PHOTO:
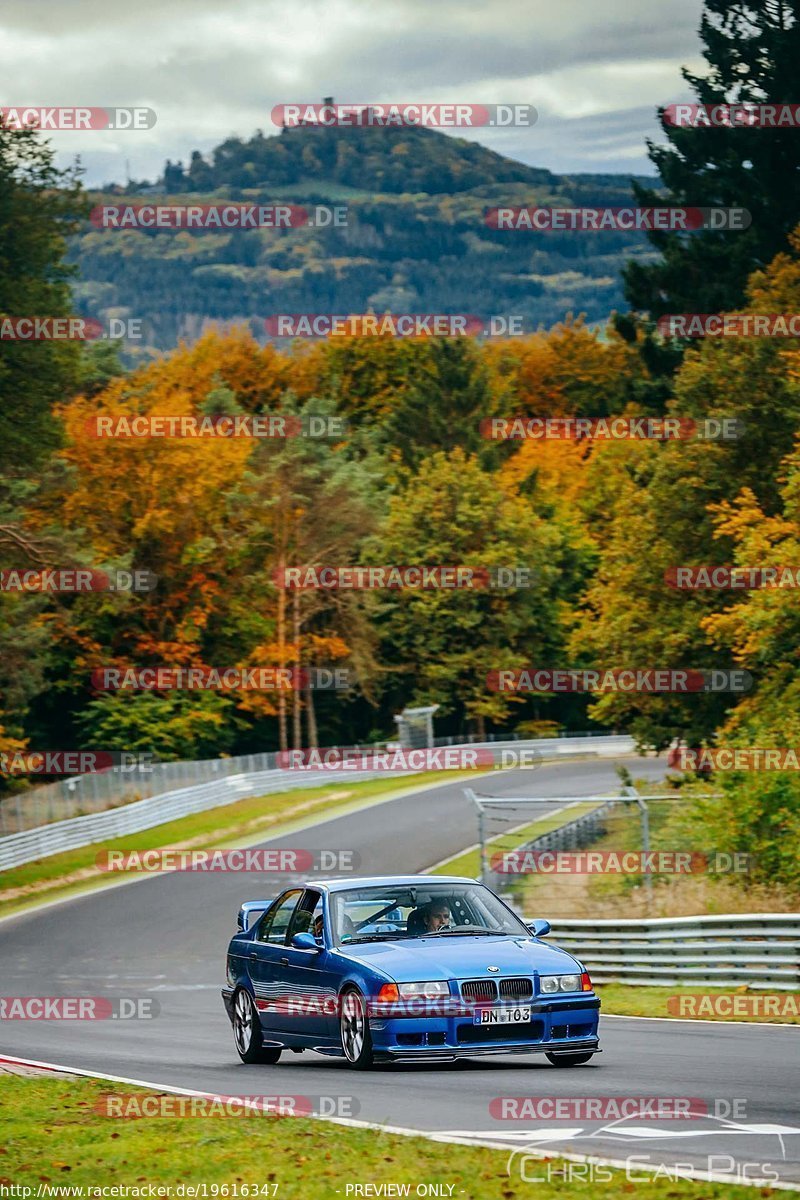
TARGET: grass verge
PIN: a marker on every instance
(469, 861)
(225, 827)
(623, 1000)
(56, 1139)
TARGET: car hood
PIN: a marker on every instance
(461, 957)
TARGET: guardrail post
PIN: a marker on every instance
(483, 872)
(632, 794)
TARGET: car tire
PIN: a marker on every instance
(354, 1030)
(247, 1031)
(569, 1060)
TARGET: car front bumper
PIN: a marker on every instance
(555, 1027)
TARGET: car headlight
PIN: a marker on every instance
(560, 983)
(434, 988)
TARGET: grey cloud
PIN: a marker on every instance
(210, 70)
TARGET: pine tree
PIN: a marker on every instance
(39, 206)
(753, 50)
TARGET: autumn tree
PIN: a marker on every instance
(304, 502)
(442, 643)
(663, 499)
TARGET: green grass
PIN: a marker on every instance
(469, 862)
(54, 1136)
(625, 1000)
(225, 827)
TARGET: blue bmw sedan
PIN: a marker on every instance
(419, 967)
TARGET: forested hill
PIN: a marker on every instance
(394, 160)
(415, 239)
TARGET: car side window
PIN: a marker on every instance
(275, 924)
(307, 910)
(317, 922)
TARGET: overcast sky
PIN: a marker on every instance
(595, 72)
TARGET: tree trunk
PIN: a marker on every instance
(313, 734)
(297, 731)
(282, 733)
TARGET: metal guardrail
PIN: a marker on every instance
(58, 836)
(760, 950)
(33, 844)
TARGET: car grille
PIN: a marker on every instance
(488, 989)
(479, 989)
(516, 989)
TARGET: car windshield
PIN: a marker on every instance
(387, 913)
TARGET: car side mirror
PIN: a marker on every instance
(305, 941)
(539, 928)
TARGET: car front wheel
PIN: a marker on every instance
(354, 1029)
(247, 1032)
(569, 1060)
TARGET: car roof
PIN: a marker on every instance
(341, 885)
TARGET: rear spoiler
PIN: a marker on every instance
(250, 911)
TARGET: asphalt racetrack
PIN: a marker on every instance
(165, 936)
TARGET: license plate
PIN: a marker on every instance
(503, 1016)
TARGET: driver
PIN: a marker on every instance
(436, 915)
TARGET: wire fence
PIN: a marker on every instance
(597, 854)
(82, 795)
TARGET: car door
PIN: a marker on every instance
(310, 980)
(266, 950)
